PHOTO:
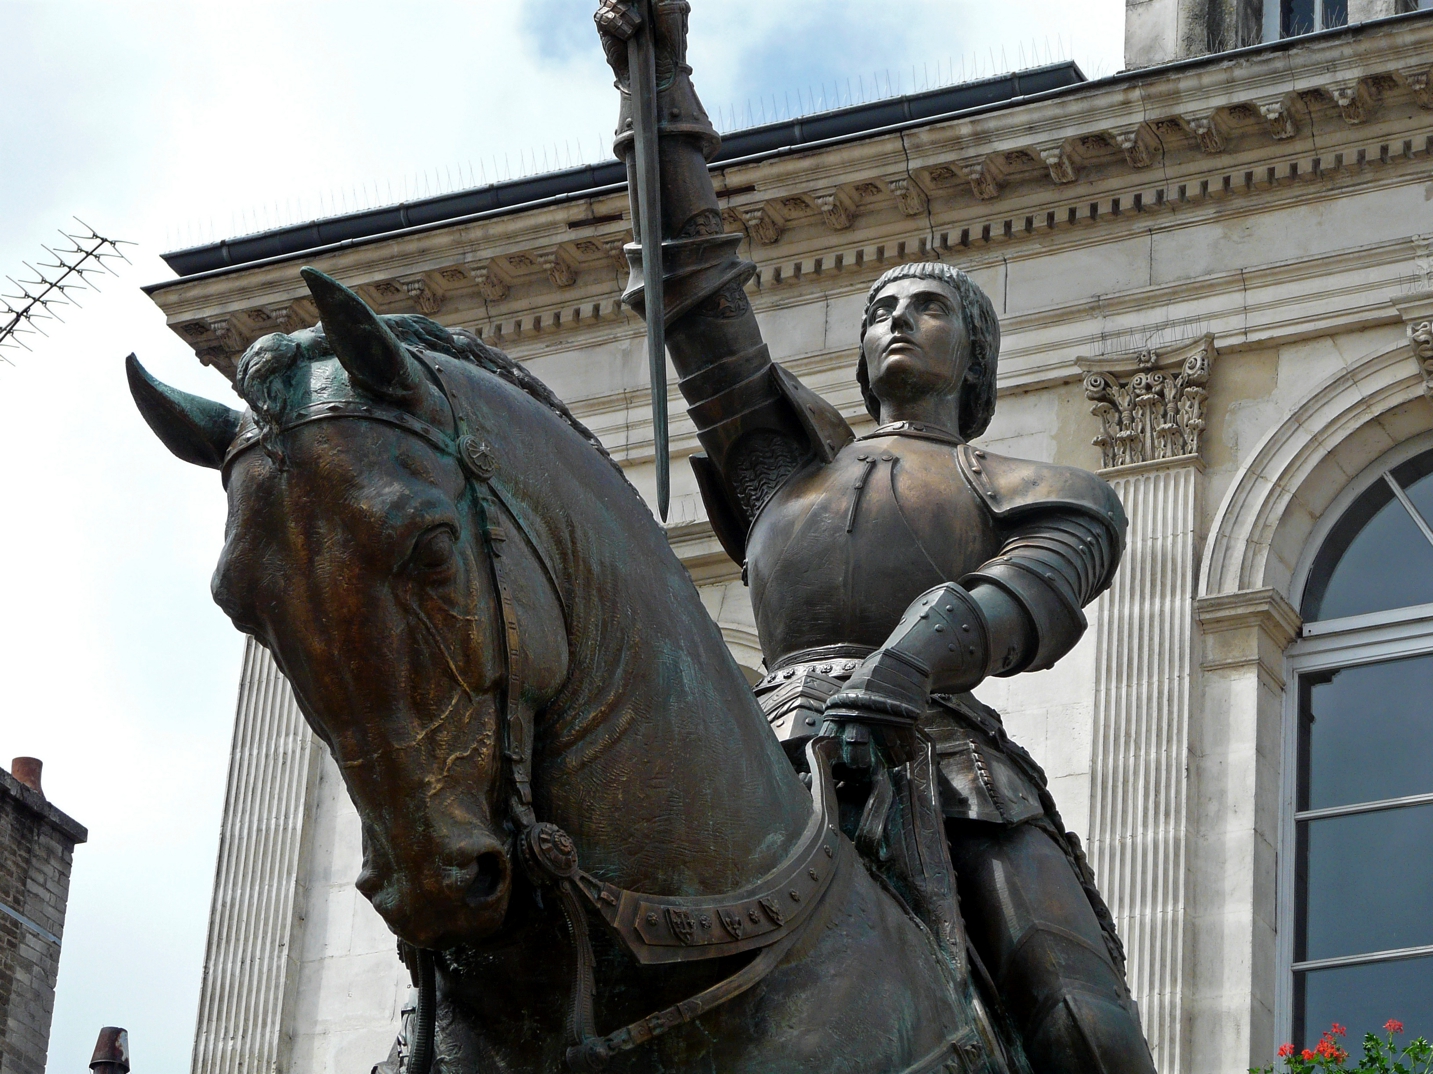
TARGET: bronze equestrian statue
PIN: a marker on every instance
(890, 574)
(575, 815)
(573, 811)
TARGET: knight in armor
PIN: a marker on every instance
(892, 573)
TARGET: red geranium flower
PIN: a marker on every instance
(1286, 1050)
(1393, 1025)
(1340, 1030)
(1307, 1056)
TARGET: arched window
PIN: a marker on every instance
(1359, 764)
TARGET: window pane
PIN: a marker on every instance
(1415, 477)
(1369, 734)
(1296, 17)
(1376, 558)
(1363, 998)
(1335, 13)
(1368, 883)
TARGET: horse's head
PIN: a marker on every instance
(355, 552)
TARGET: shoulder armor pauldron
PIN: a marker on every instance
(1010, 487)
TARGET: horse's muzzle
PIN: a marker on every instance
(436, 904)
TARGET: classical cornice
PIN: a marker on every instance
(1252, 627)
(1170, 145)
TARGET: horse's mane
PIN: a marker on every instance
(264, 379)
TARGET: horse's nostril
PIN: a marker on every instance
(488, 873)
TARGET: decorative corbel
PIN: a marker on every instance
(559, 270)
(283, 317)
(491, 286)
(1279, 117)
(1420, 338)
(1416, 79)
(983, 178)
(835, 209)
(1355, 99)
(909, 195)
(1205, 128)
(1151, 405)
(1137, 143)
(761, 225)
(1057, 158)
(616, 250)
(428, 301)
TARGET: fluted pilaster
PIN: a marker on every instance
(1139, 807)
(249, 963)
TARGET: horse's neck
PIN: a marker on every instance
(669, 777)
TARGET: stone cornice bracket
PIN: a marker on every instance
(908, 194)
(1057, 158)
(491, 286)
(1356, 100)
(1138, 145)
(616, 250)
(761, 225)
(838, 213)
(1416, 79)
(984, 182)
(428, 301)
(1279, 117)
(1205, 128)
(559, 270)
(284, 317)
(1151, 406)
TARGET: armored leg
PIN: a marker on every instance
(1031, 923)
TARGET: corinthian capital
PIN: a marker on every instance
(1150, 405)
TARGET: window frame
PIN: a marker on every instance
(1323, 646)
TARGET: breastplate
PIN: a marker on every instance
(841, 549)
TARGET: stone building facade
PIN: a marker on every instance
(37, 842)
(1214, 274)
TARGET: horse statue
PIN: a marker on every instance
(574, 814)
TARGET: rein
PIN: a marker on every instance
(768, 916)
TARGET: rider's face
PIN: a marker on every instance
(916, 344)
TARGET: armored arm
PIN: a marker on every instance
(755, 422)
(1021, 611)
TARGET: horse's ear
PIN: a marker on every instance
(196, 429)
(376, 362)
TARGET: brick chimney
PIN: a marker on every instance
(36, 844)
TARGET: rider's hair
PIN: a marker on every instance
(977, 392)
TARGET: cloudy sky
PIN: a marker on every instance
(172, 123)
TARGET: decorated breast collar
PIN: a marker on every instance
(919, 430)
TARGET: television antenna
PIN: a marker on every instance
(73, 266)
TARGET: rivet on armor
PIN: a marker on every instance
(972, 650)
(965, 627)
(788, 673)
(830, 853)
(850, 665)
(892, 458)
(951, 648)
(811, 721)
(980, 454)
(975, 468)
(813, 874)
(795, 895)
(939, 629)
(651, 917)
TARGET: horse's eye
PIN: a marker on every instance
(433, 552)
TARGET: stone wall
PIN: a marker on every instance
(36, 844)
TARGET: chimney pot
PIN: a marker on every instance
(111, 1052)
(27, 771)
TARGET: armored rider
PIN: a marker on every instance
(892, 573)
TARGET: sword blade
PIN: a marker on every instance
(642, 64)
